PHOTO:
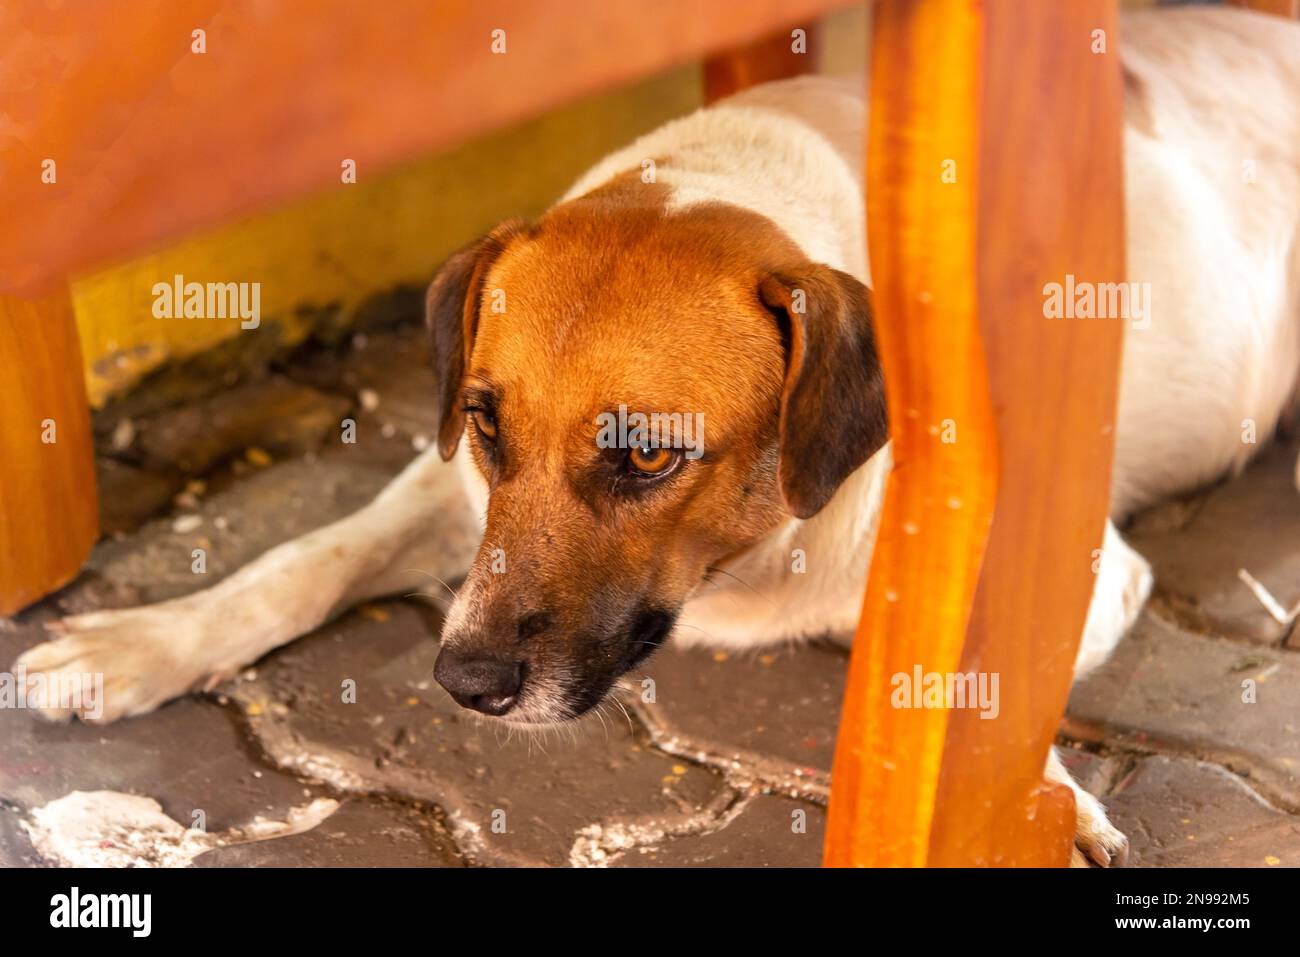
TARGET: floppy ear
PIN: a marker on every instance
(451, 309)
(833, 414)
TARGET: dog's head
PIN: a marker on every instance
(644, 393)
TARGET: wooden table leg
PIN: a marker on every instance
(49, 508)
(775, 57)
(994, 167)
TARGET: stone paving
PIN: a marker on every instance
(727, 765)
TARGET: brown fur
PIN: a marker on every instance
(611, 299)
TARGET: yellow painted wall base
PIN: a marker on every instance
(326, 255)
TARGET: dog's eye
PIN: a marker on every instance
(650, 461)
(484, 422)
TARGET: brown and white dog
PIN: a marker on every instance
(735, 286)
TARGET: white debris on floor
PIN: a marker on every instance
(112, 829)
(1271, 604)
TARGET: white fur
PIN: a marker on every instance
(1222, 255)
(1222, 258)
(1215, 89)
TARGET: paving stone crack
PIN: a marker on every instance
(1262, 782)
(604, 843)
(331, 775)
(741, 769)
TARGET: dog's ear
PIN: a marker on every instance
(451, 310)
(833, 415)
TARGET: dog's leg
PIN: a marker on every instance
(1095, 838)
(1123, 584)
(419, 529)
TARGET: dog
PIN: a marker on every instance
(732, 284)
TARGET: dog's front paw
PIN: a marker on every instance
(107, 665)
(1096, 840)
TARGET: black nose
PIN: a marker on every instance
(483, 684)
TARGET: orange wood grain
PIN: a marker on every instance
(1282, 8)
(983, 562)
(770, 58)
(1052, 204)
(153, 143)
(925, 81)
(49, 514)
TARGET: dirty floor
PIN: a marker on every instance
(1191, 734)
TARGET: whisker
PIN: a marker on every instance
(450, 591)
(723, 571)
(630, 727)
(706, 634)
(599, 709)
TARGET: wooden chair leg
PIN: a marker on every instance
(49, 508)
(776, 57)
(982, 188)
